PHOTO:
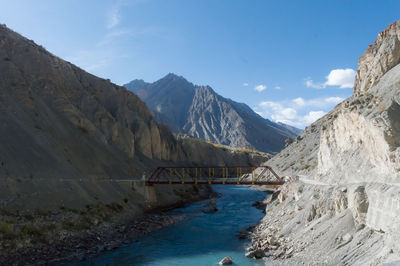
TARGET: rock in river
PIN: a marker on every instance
(225, 261)
(211, 207)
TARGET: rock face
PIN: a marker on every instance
(200, 112)
(344, 198)
(380, 57)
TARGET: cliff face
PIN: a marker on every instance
(200, 112)
(380, 57)
(345, 201)
(51, 106)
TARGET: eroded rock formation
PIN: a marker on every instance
(343, 207)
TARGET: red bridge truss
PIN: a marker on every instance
(216, 175)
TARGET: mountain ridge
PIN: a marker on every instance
(201, 112)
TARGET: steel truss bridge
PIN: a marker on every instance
(216, 175)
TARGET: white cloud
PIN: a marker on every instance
(299, 101)
(297, 112)
(113, 17)
(311, 84)
(313, 116)
(317, 102)
(245, 84)
(277, 111)
(334, 100)
(277, 87)
(260, 87)
(342, 78)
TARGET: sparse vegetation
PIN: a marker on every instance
(31, 231)
(4, 227)
(115, 207)
(305, 166)
(316, 195)
(83, 129)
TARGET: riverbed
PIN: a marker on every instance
(200, 239)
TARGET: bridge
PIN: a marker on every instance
(216, 175)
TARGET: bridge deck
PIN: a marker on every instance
(216, 175)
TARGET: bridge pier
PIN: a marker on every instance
(146, 190)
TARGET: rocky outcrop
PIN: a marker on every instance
(200, 112)
(379, 58)
(343, 200)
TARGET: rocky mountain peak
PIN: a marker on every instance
(201, 112)
(379, 58)
(171, 77)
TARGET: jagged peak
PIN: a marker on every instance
(175, 81)
(173, 76)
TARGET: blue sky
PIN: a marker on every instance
(290, 61)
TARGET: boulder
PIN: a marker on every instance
(243, 234)
(257, 254)
(225, 261)
(211, 207)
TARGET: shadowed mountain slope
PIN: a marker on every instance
(60, 123)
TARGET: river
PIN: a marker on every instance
(200, 239)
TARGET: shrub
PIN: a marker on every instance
(31, 230)
(115, 207)
(4, 227)
(83, 129)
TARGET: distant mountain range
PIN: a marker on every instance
(200, 112)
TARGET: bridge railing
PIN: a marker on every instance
(229, 175)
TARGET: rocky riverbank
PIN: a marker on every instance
(314, 224)
(81, 245)
(71, 234)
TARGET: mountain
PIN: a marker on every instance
(295, 131)
(343, 202)
(200, 112)
(74, 148)
(60, 122)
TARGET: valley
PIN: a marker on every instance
(175, 173)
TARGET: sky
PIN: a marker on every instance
(290, 61)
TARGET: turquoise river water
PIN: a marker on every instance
(200, 239)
